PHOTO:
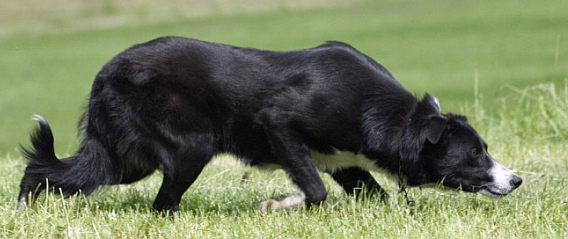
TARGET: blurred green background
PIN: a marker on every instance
(51, 50)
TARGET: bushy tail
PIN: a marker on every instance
(83, 172)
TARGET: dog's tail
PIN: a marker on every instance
(82, 172)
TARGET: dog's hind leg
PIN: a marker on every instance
(359, 182)
(180, 171)
(175, 182)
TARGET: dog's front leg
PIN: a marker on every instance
(283, 202)
(294, 156)
(358, 182)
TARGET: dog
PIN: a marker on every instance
(173, 103)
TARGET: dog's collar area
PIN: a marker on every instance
(402, 187)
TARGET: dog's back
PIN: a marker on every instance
(230, 91)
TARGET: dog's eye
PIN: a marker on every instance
(474, 152)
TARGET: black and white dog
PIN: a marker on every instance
(173, 103)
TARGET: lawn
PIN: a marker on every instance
(503, 63)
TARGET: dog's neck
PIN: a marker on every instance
(399, 145)
(388, 133)
(412, 140)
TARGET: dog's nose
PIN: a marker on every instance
(516, 181)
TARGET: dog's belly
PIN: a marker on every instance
(334, 162)
(343, 159)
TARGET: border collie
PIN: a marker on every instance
(173, 103)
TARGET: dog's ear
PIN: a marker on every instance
(432, 102)
(416, 134)
(435, 128)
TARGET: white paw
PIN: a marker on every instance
(283, 202)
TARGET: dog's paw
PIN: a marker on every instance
(283, 202)
(22, 204)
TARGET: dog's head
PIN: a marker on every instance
(446, 149)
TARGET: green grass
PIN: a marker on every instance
(517, 52)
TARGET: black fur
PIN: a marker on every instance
(173, 103)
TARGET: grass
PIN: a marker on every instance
(515, 55)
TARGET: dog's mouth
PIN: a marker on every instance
(492, 191)
(486, 190)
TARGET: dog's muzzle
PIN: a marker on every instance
(504, 182)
